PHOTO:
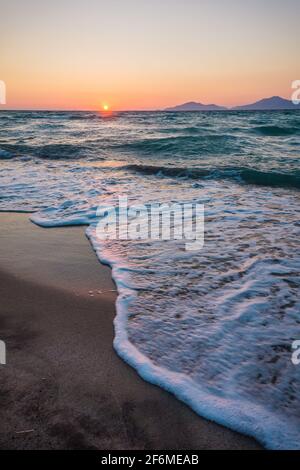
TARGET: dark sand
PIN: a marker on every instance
(63, 386)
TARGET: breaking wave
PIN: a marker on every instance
(248, 175)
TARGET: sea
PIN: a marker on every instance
(213, 326)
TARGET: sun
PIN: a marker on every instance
(105, 107)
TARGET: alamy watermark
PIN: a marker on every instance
(2, 352)
(296, 93)
(296, 353)
(2, 92)
(155, 221)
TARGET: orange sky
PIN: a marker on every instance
(137, 54)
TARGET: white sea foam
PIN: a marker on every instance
(225, 403)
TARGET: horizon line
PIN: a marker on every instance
(227, 108)
(99, 110)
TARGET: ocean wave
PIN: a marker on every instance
(190, 144)
(4, 154)
(47, 151)
(247, 175)
(274, 131)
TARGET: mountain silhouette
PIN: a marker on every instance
(193, 106)
(273, 103)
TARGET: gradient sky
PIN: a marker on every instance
(143, 54)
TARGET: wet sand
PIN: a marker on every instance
(63, 386)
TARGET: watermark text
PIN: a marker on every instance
(2, 352)
(296, 353)
(2, 92)
(155, 221)
(296, 93)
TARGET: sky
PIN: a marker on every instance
(146, 54)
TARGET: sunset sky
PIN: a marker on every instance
(146, 54)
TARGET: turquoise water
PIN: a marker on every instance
(213, 326)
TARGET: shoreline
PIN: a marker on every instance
(63, 386)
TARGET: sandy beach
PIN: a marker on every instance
(63, 386)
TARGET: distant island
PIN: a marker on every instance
(193, 106)
(273, 103)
